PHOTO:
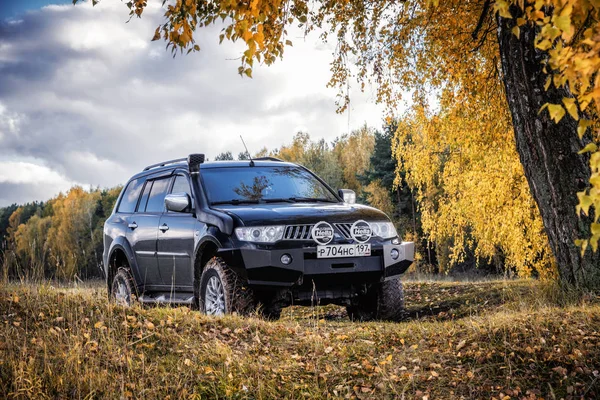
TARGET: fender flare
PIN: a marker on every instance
(121, 243)
(209, 238)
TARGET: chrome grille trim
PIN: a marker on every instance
(344, 229)
(303, 232)
(298, 232)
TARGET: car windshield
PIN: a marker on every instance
(242, 185)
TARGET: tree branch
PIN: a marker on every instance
(484, 12)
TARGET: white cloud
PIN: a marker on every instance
(26, 181)
(90, 99)
(25, 172)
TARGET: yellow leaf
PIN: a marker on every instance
(501, 6)
(585, 202)
(556, 112)
(583, 244)
(156, 34)
(246, 35)
(595, 181)
(99, 324)
(582, 127)
(571, 107)
(595, 229)
(544, 44)
(563, 23)
(594, 242)
(516, 31)
(590, 147)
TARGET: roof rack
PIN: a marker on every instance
(162, 164)
(268, 159)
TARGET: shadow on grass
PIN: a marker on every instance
(437, 301)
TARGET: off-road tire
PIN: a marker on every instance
(124, 277)
(391, 300)
(384, 301)
(238, 297)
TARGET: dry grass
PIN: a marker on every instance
(496, 339)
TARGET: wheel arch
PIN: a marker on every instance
(206, 249)
(121, 252)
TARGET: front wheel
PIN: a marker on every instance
(384, 301)
(221, 291)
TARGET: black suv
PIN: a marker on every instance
(235, 236)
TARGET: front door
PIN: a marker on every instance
(176, 243)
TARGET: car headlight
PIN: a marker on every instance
(385, 230)
(260, 234)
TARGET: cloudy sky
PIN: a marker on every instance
(86, 98)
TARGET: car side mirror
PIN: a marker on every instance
(347, 195)
(178, 202)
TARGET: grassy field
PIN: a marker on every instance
(496, 339)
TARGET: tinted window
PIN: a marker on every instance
(130, 196)
(145, 195)
(181, 185)
(262, 184)
(156, 200)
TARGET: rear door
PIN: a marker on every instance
(176, 242)
(144, 229)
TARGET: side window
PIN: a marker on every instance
(145, 195)
(181, 185)
(130, 196)
(156, 200)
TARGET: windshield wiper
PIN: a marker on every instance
(234, 202)
(311, 199)
(280, 200)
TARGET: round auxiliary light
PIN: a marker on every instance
(286, 259)
(256, 233)
(395, 254)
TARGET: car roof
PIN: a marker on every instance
(214, 164)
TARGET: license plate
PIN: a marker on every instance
(344, 250)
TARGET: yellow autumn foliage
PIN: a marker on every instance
(471, 189)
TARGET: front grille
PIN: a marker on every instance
(298, 232)
(303, 232)
(344, 229)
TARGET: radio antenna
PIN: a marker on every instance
(247, 152)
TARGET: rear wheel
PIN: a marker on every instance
(221, 291)
(384, 301)
(123, 290)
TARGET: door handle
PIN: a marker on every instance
(164, 227)
(133, 225)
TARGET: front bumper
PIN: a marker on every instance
(264, 267)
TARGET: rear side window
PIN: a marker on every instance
(130, 196)
(156, 200)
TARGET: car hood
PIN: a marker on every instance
(301, 213)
